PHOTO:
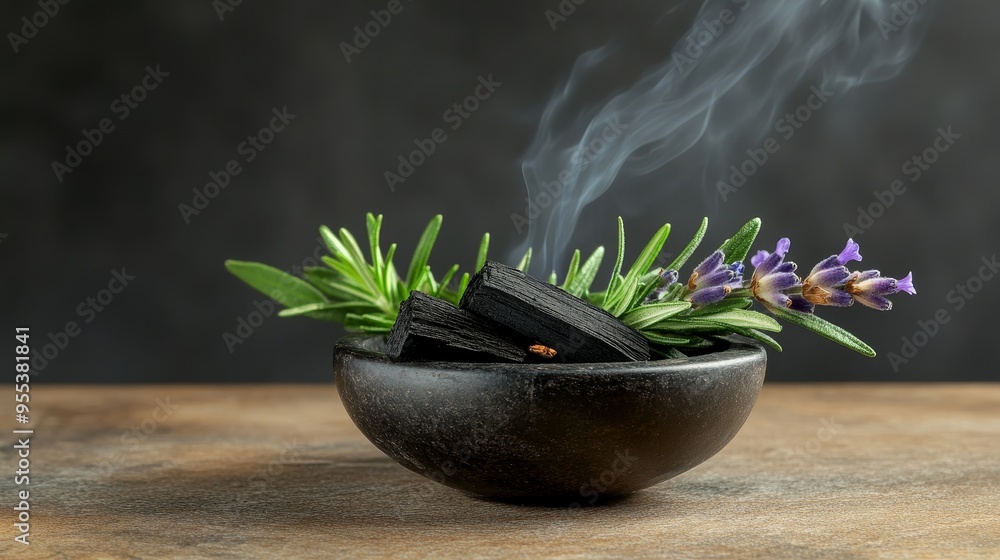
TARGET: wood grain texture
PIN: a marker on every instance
(819, 471)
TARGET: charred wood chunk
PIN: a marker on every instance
(429, 328)
(548, 316)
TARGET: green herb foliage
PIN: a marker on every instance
(363, 292)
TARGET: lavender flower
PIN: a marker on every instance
(825, 283)
(667, 278)
(773, 277)
(870, 288)
(713, 279)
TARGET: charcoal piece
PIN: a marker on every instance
(429, 328)
(545, 314)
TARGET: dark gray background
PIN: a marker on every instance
(119, 208)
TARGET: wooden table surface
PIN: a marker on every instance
(180, 471)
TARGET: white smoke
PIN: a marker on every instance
(726, 81)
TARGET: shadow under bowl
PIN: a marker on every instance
(549, 431)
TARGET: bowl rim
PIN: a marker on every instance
(741, 351)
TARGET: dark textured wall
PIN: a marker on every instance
(66, 235)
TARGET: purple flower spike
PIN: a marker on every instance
(667, 279)
(712, 280)
(801, 304)
(773, 276)
(870, 288)
(783, 245)
(759, 258)
(825, 283)
(706, 296)
(905, 284)
(780, 249)
(852, 252)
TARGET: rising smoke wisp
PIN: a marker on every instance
(727, 79)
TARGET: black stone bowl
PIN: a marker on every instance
(579, 432)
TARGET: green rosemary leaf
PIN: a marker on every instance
(374, 226)
(596, 298)
(341, 267)
(642, 265)
(681, 325)
(288, 290)
(484, 246)
(623, 299)
(390, 280)
(691, 247)
(372, 329)
(328, 311)
(354, 253)
(420, 282)
(332, 243)
(553, 278)
(574, 268)
(735, 249)
(463, 283)
(418, 264)
(644, 262)
(338, 288)
(647, 283)
(825, 328)
(364, 271)
(447, 278)
(666, 340)
(368, 322)
(315, 274)
(741, 318)
(674, 292)
(588, 271)
(720, 306)
(651, 277)
(525, 261)
(370, 319)
(616, 277)
(761, 337)
(646, 315)
(433, 286)
(698, 342)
